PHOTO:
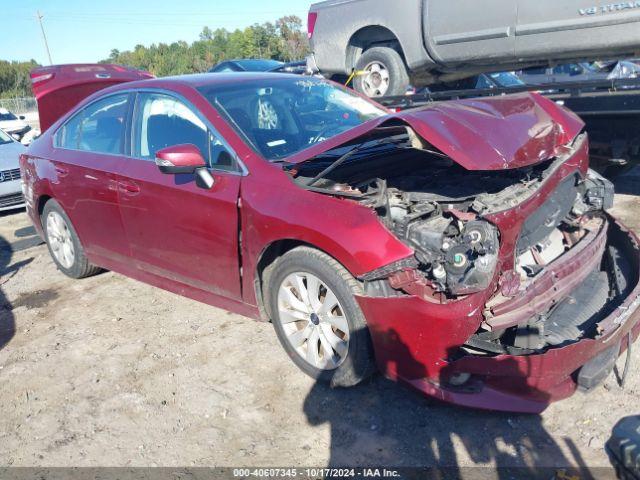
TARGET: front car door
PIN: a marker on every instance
(177, 230)
(553, 30)
(91, 145)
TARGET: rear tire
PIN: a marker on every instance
(63, 243)
(317, 318)
(386, 73)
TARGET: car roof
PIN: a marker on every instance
(265, 64)
(198, 80)
(257, 62)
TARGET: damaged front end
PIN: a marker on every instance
(519, 279)
(451, 218)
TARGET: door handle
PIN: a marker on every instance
(129, 188)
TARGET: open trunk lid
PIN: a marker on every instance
(58, 88)
(493, 133)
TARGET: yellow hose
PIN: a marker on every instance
(355, 73)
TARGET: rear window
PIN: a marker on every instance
(256, 65)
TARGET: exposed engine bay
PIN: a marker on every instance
(439, 209)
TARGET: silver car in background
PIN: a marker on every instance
(10, 185)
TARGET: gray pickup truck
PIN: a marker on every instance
(393, 43)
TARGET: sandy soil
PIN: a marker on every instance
(108, 371)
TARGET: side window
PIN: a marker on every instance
(568, 69)
(535, 71)
(163, 121)
(575, 69)
(69, 134)
(97, 128)
(224, 67)
(483, 82)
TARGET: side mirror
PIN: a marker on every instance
(21, 117)
(179, 159)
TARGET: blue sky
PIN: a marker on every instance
(87, 30)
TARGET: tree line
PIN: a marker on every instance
(283, 40)
(14, 78)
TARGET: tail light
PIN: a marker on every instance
(39, 78)
(311, 23)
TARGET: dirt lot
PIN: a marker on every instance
(111, 372)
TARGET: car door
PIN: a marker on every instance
(88, 151)
(555, 30)
(470, 30)
(177, 230)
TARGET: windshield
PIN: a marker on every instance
(506, 79)
(7, 116)
(4, 138)
(282, 116)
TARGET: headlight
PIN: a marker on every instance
(460, 257)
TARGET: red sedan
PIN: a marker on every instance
(463, 248)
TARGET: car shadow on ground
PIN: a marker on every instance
(27, 239)
(384, 423)
(7, 322)
(628, 183)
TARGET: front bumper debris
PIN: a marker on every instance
(419, 343)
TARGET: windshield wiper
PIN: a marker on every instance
(343, 158)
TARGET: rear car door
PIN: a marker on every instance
(88, 150)
(466, 30)
(177, 230)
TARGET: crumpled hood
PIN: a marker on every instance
(492, 133)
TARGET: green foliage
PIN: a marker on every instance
(14, 78)
(285, 40)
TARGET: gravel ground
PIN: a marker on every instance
(108, 371)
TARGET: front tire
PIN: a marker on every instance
(63, 243)
(381, 72)
(317, 318)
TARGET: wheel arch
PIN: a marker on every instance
(40, 203)
(367, 37)
(42, 200)
(268, 257)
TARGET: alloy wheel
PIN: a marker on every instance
(59, 239)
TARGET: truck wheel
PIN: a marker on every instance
(64, 244)
(381, 72)
(317, 318)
